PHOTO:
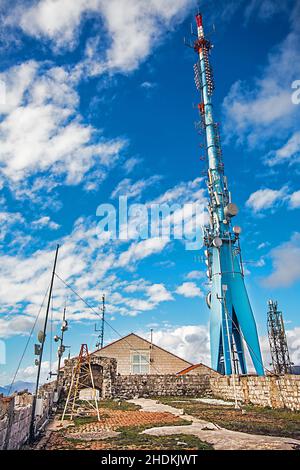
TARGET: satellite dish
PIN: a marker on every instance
(208, 300)
(231, 210)
(217, 242)
(237, 230)
(41, 337)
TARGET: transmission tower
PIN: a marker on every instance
(278, 342)
(222, 238)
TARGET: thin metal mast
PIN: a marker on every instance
(61, 348)
(223, 254)
(278, 342)
(100, 342)
(43, 338)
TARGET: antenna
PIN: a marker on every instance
(100, 342)
(278, 342)
(221, 238)
(42, 339)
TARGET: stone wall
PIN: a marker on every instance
(130, 386)
(104, 371)
(269, 391)
(15, 417)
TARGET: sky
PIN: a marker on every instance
(97, 101)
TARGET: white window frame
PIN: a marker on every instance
(140, 363)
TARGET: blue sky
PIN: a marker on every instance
(98, 102)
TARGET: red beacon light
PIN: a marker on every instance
(199, 20)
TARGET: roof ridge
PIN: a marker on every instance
(147, 341)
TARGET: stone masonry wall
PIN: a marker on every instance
(15, 417)
(104, 371)
(269, 391)
(130, 386)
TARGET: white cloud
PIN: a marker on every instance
(41, 130)
(148, 85)
(265, 9)
(15, 325)
(195, 275)
(264, 199)
(131, 163)
(184, 192)
(189, 342)
(288, 153)
(261, 110)
(139, 24)
(293, 339)
(189, 290)
(158, 293)
(28, 374)
(128, 188)
(263, 245)
(295, 200)
(192, 343)
(7, 221)
(45, 222)
(140, 250)
(286, 264)
(45, 19)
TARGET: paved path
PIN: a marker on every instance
(221, 439)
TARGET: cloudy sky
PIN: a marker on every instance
(97, 100)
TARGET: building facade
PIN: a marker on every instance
(137, 356)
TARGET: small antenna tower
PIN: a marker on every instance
(100, 342)
(278, 342)
(82, 378)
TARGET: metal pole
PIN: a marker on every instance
(32, 426)
(60, 350)
(103, 320)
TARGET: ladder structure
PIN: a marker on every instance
(82, 378)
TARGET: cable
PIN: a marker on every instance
(105, 321)
(25, 349)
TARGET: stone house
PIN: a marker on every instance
(137, 356)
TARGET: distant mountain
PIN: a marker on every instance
(18, 386)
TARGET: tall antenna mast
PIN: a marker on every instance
(42, 338)
(223, 254)
(278, 342)
(100, 342)
(60, 351)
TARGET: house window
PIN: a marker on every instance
(140, 362)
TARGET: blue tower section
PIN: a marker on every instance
(231, 318)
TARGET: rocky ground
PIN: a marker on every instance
(215, 435)
(120, 427)
(248, 419)
(173, 424)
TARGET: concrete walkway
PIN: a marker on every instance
(219, 438)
